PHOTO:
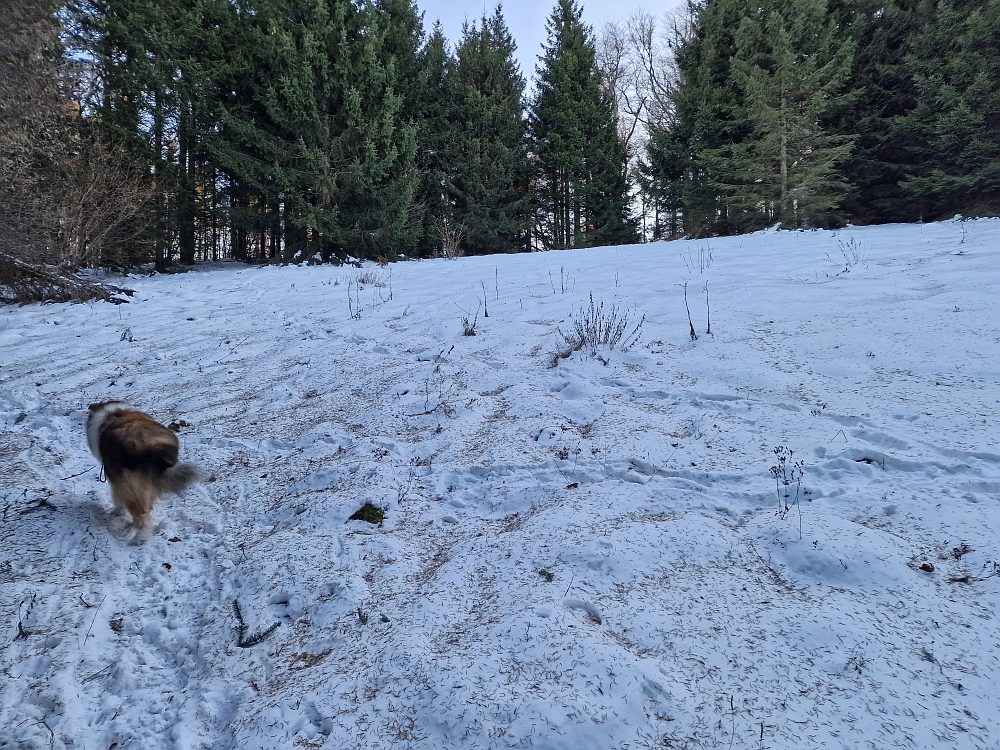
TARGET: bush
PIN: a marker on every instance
(596, 327)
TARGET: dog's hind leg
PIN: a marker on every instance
(136, 493)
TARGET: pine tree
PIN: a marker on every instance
(661, 178)
(489, 169)
(954, 127)
(377, 181)
(158, 63)
(271, 139)
(315, 139)
(710, 111)
(883, 92)
(791, 64)
(285, 120)
(436, 139)
(580, 179)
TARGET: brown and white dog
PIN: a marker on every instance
(139, 457)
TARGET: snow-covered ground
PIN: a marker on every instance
(576, 553)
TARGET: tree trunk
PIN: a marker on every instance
(783, 157)
(185, 193)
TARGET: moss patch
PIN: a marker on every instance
(370, 513)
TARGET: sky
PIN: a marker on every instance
(526, 19)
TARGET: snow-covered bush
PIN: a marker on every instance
(596, 327)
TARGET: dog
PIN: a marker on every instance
(139, 456)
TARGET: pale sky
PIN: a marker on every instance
(526, 19)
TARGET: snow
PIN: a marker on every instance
(577, 552)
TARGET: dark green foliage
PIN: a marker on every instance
(290, 130)
(581, 190)
(472, 149)
(661, 178)
(288, 123)
(790, 66)
(872, 111)
(954, 128)
(710, 112)
(435, 139)
(488, 182)
(317, 126)
(161, 66)
(748, 147)
(370, 513)
(882, 93)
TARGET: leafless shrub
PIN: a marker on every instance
(788, 473)
(452, 236)
(370, 277)
(596, 327)
(701, 263)
(469, 326)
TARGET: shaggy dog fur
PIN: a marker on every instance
(139, 457)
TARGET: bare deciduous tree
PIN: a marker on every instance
(66, 199)
(640, 75)
(636, 58)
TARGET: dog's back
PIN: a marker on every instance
(140, 457)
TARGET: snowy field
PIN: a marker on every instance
(579, 552)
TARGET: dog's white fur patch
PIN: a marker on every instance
(96, 419)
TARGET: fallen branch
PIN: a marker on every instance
(22, 282)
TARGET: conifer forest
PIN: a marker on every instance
(170, 131)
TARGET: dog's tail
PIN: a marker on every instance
(179, 477)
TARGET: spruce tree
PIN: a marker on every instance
(710, 111)
(790, 64)
(955, 124)
(315, 136)
(580, 177)
(272, 136)
(883, 92)
(661, 178)
(159, 64)
(489, 169)
(436, 139)
(375, 146)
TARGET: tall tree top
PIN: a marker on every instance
(486, 56)
(567, 33)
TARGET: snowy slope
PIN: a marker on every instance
(584, 555)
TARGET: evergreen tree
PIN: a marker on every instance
(710, 111)
(488, 175)
(377, 181)
(661, 178)
(435, 139)
(285, 119)
(158, 63)
(883, 92)
(750, 142)
(273, 140)
(580, 177)
(790, 64)
(954, 127)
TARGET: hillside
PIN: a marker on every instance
(578, 552)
